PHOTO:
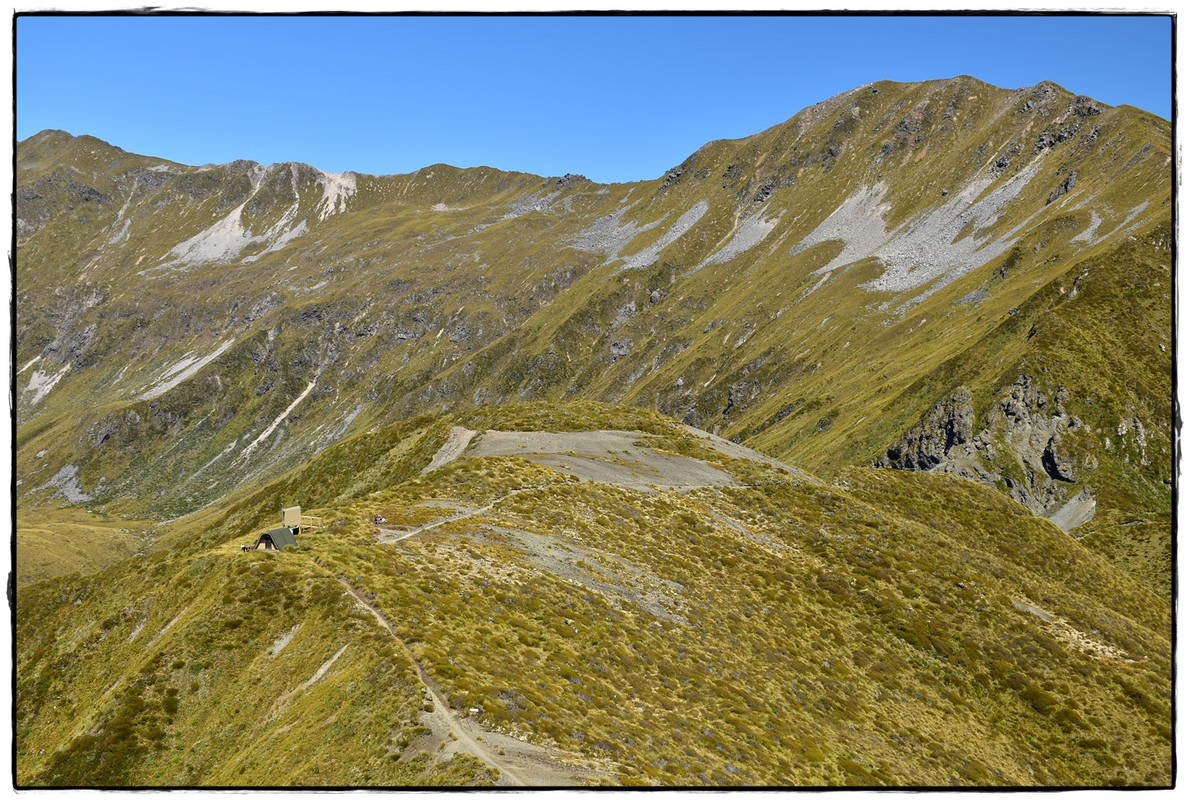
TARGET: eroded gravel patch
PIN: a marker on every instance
(619, 458)
(454, 447)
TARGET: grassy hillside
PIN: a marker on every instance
(945, 306)
(57, 541)
(889, 629)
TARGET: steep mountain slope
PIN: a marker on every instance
(626, 601)
(819, 290)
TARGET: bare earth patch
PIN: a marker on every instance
(454, 447)
(620, 458)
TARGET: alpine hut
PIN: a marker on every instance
(276, 539)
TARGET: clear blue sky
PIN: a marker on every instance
(614, 98)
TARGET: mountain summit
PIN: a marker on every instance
(915, 336)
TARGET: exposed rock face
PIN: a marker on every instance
(1064, 188)
(673, 176)
(927, 445)
(1021, 433)
(1058, 469)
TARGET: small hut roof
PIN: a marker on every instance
(281, 538)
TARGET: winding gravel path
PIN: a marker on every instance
(519, 763)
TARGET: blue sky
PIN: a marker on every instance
(614, 98)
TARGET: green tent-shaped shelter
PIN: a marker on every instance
(276, 539)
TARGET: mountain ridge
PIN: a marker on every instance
(960, 82)
(839, 454)
(522, 321)
(880, 626)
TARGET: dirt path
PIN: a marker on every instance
(519, 763)
(389, 535)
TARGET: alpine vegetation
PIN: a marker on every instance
(840, 454)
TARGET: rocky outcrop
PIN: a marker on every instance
(1020, 447)
(1064, 188)
(927, 445)
(673, 176)
(569, 178)
(620, 348)
(1057, 468)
